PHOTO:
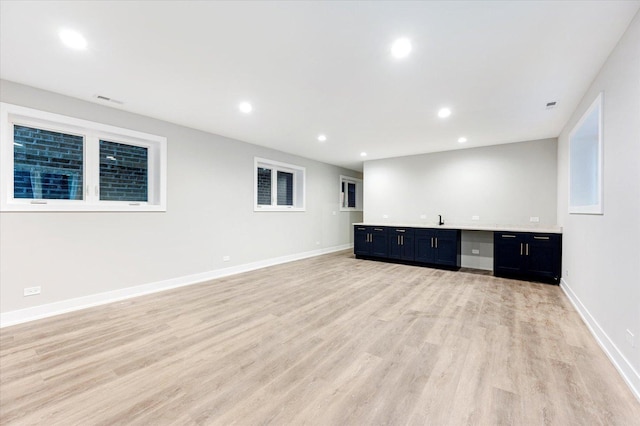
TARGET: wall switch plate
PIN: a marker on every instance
(475, 217)
(317, 243)
(385, 216)
(333, 213)
(30, 291)
(226, 258)
(535, 219)
(475, 251)
(423, 216)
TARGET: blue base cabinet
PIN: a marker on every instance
(529, 256)
(370, 241)
(438, 247)
(416, 246)
(401, 243)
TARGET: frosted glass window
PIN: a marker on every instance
(585, 162)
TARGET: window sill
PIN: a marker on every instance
(350, 209)
(75, 207)
(278, 209)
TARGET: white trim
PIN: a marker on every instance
(359, 194)
(619, 361)
(299, 186)
(596, 209)
(92, 132)
(70, 305)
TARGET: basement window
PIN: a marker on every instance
(350, 194)
(52, 162)
(278, 186)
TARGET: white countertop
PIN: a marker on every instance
(467, 227)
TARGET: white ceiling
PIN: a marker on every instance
(325, 67)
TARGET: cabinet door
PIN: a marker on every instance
(543, 256)
(400, 243)
(408, 243)
(395, 249)
(379, 242)
(424, 250)
(361, 244)
(447, 248)
(508, 252)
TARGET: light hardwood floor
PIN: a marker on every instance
(330, 341)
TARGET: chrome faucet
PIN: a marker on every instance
(440, 221)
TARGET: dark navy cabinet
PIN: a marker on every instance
(438, 247)
(401, 243)
(531, 256)
(424, 246)
(370, 241)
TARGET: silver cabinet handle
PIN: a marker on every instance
(508, 236)
(402, 238)
(398, 239)
(378, 229)
(540, 238)
(431, 242)
(527, 249)
(520, 249)
(400, 230)
(436, 242)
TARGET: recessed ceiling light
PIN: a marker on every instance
(245, 107)
(462, 139)
(322, 138)
(401, 48)
(363, 154)
(72, 39)
(444, 112)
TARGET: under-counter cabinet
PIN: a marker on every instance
(438, 247)
(527, 255)
(417, 246)
(400, 243)
(370, 241)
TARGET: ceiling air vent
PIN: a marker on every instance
(551, 105)
(108, 99)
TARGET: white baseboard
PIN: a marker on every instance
(70, 305)
(620, 362)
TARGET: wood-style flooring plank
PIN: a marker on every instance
(330, 340)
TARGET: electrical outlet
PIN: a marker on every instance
(30, 291)
(631, 338)
(385, 216)
(423, 216)
(535, 219)
(475, 251)
(334, 213)
(475, 217)
(226, 258)
(317, 243)
(566, 273)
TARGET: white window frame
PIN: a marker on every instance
(299, 185)
(359, 195)
(92, 132)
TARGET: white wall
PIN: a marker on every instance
(209, 215)
(601, 253)
(502, 184)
